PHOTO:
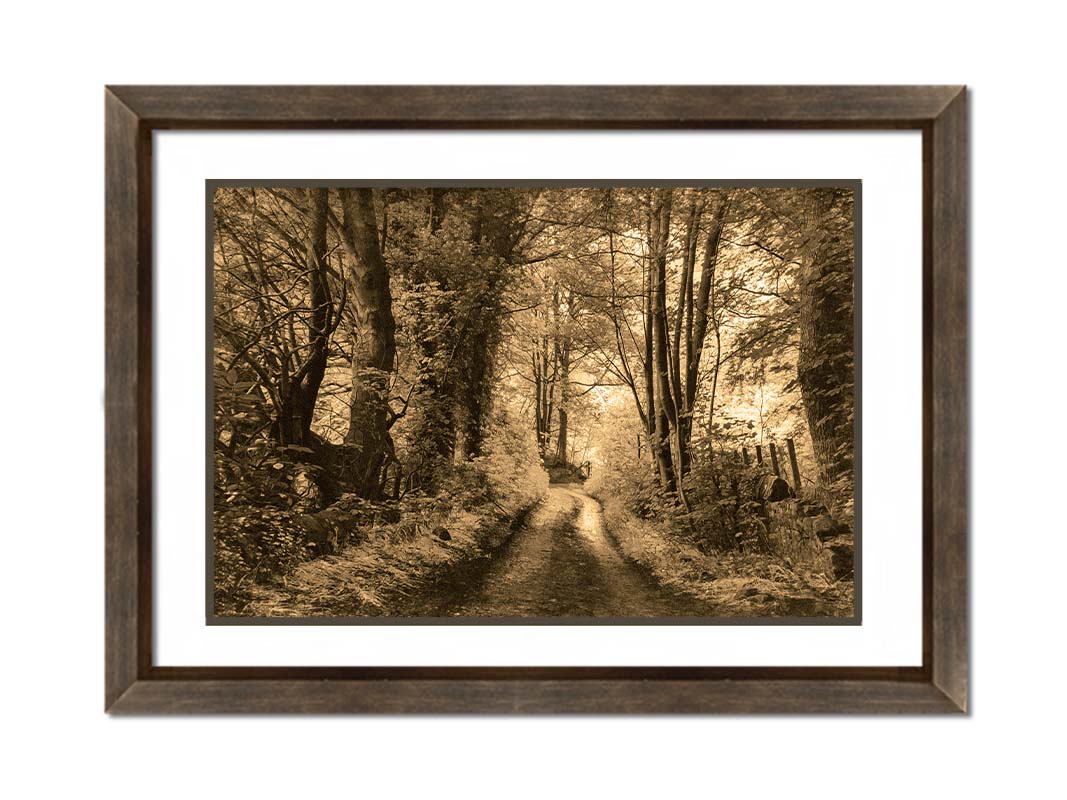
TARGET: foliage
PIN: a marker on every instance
(512, 475)
(395, 358)
(718, 493)
(250, 467)
(733, 583)
(253, 544)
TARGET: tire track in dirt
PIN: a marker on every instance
(562, 563)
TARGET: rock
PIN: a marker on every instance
(841, 557)
(822, 527)
(386, 513)
(771, 489)
(442, 534)
(306, 490)
(826, 527)
(322, 537)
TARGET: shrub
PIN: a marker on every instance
(253, 544)
(509, 474)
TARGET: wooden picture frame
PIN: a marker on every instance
(134, 685)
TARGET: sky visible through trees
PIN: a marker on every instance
(387, 360)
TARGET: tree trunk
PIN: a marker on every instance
(666, 411)
(564, 349)
(492, 239)
(433, 420)
(475, 402)
(647, 363)
(544, 382)
(684, 321)
(373, 345)
(433, 413)
(703, 313)
(538, 422)
(825, 361)
(301, 391)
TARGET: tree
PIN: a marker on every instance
(267, 245)
(825, 360)
(672, 353)
(707, 312)
(544, 307)
(498, 234)
(431, 253)
(550, 354)
(373, 342)
(303, 390)
(665, 410)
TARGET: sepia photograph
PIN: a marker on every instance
(509, 402)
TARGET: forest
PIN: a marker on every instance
(604, 401)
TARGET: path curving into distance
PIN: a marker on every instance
(562, 563)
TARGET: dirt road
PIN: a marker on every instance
(562, 563)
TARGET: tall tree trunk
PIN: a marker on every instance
(437, 209)
(616, 314)
(538, 423)
(475, 402)
(433, 415)
(648, 366)
(433, 419)
(321, 312)
(301, 390)
(495, 231)
(374, 342)
(825, 361)
(704, 312)
(666, 411)
(478, 350)
(544, 383)
(684, 321)
(564, 350)
(551, 379)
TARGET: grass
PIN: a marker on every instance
(396, 562)
(735, 584)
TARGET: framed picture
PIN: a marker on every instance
(536, 399)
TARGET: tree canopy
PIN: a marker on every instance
(378, 340)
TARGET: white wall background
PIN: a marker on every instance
(56, 59)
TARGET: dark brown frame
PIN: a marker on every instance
(134, 685)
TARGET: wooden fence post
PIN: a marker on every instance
(744, 455)
(774, 460)
(793, 462)
(759, 455)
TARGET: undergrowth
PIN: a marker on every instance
(358, 557)
(733, 583)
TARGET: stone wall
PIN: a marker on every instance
(806, 536)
